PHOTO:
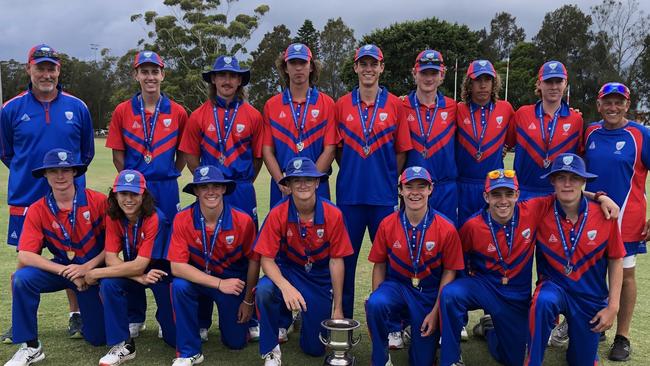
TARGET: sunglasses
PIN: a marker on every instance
(610, 88)
(498, 173)
(45, 54)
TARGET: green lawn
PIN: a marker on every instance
(60, 350)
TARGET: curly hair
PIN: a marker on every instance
(314, 73)
(114, 211)
(466, 89)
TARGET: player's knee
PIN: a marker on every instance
(181, 287)
(377, 303)
(264, 290)
(22, 278)
(109, 286)
(451, 293)
(234, 342)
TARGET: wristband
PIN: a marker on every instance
(598, 194)
(248, 303)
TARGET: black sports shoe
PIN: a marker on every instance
(74, 326)
(620, 350)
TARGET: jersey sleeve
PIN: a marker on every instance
(511, 135)
(191, 139)
(452, 251)
(31, 239)
(6, 137)
(403, 134)
(114, 237)
(331, 132)
(115, 138)
(538, 207)
(581, 134)
(87, 143)
(340, 245)
(645, 147)
(178, 248)
(268, 241)
(182, 123)
(248, 238)
(378, 253)
(615, 246)
(257, 125)
(466, 237)
(268, 132)
(148, 236)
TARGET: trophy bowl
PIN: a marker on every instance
(340, 340)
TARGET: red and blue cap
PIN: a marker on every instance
(429, 59)
(481, 67)
(130, 181)
(209, 174)
(552, 69)
(297, 51)
(501, 178)
(227, 64)
(369, 50)
(413, 173)
(147, 57)
(42, 53)
(59, 158)
(571, 163)
(614, 88)
(301, 167)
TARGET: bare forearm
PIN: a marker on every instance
(251, 279)
(192, 274)
(118, 160)
(29, 259)
(324, 162)
(378, 275)
(192, 162)
(615, 274)
(272, 271)
(268, 154)
(337, 273)
(128, 269)
(401, 160)
(180, 160)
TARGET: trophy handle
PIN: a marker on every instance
(356, 340)
(323, 340)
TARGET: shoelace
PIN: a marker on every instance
(24, 353)
(118, 350)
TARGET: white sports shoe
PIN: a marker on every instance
(464, 337)
(160, 335)
(203, 332)
(136, 328)
(189, 361)
(273, 358)
(559, 335)
(118, 354)
(26, 356)
(395, 340)
(254, 333)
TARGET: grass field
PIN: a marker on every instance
(60, 350)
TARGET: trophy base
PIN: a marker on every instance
(336, 361)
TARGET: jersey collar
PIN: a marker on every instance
(165, 104)
(226, 221)
(383, 96)
(440, 100)
(564, 109)
(319, 215)
(561, 212)
(313, 98)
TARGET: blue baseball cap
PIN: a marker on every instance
(227, 64)
(297, 51)
(147, 57)
(614, 88)
(42, 53)
(209, 174)
(480, 67)
(301, 167)
(429, 59)
(571, 163)
(59, 158)
(501, 178)
(130, 181)
(552, 69)
(369, 50)
(413, 173)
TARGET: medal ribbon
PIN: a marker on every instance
(425, 136)
(299, 127)
(148, 137)
(412, 239)
(513, 224)
(551, 127)
(227, 125)
(208, 255)
(367, 129)
(484, 121)
(127, 242)
(568, 252)
(72, 216)
(303, 233)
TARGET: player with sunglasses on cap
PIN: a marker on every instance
(302, 245)
(69, 222)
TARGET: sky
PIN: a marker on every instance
(72, 26)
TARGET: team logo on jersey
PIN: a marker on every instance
(282, 114)
(320, 232)
(592, 145)
(444, 115)
(491, 248)
(297, 164)
(230, 239)
(315, 113)
(499, 120)
(86, 215)
(410, 118)
(227, 60)
(69, 115)
(129, 177)
(211, 127)
(240, 127)
(289, 233)
(63, 156)
(526, 233)
(619, 146)
(566, 127)
(383, 116)
(591, 234)
(466, 121)
(204, 171)
(532, 126)
(349, 118)
(55, 225)
(198, 241)
(25, 118)
(14, 235)
(397, 244)
(567, 160)
(552, 65)
(167, 122)
(430, 245)
(552, 239)
(135, 125)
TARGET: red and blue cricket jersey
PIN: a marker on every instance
(30, 128)
(126, 133)
(484, 129)
(233, 246)
(439, 250)
(525, 134)
(243, 130)
(43, 228)
(621, 158)
(280, 130)
(432, 136)
(294, 243)
(599, 241)
(494, 262)
(152, 235)
(370, 179)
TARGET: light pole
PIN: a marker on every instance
(94, 47)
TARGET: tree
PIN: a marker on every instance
(336, 46)
(504, 35)
(309, 36)
(525, 60)
(401, 43)
(191, 38)
(14, 79)
(265, 80)
(643, 88)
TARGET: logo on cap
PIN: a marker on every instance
(63, 156)
(147, 54)
(482, 63)
(204, 171)
(297, 47)
(552, 65)
(129, 177)
(417, 169)
(227, 60)
(567, 160)
(367, 47)
(297, 164)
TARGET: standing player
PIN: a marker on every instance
(482, 122)
(211, 256)
(618, 151)
(299, 121)
(302, 244)
(140, 231)
(432, 121)
(226, 132)
(69, 221)
(32, 123)
(577, 249)
(416, 253)
(540, 132)
(374, 142)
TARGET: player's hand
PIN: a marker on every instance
(337, 314)
(284, 189)
(80, 283)
(603, 320)
(577, 110)
(73, 271)
(293, 299)
(245, 313)
(231, 286)
(90, 278)
(429, 324)
(609, 207)
(646, 230)
(153, 277)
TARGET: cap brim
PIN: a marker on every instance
(555, 75)
(148, 62)
(322, 176)
(372, 55)
(585, 175)
(614, 93)
(129, 188)
(44, 59)
(415, 178)
(39, 172)
(475, 75)
(297, 56)
(230, 186)
(508, 185)
(245, 75)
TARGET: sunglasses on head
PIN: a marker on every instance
(45, 54)
(615, 88)
(496, 174)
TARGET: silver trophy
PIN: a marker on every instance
(340, 341)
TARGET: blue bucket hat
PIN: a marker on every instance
(571, 163)
(301, 167)
(209, 174)
(229, 64)
(59, 158)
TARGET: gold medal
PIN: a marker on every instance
(222, 160)
(415, 282)
(70, 254)
(299, 146)
(147, 158)
(424, 153)
(504, 280)
(547, 163)
(366, 150)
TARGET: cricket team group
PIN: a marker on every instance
(452, 231)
